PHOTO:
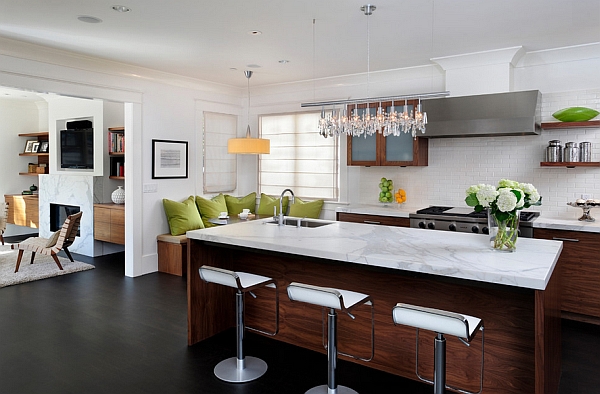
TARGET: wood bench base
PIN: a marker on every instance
(172, 254)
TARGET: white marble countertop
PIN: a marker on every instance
(542, 221)
(455, 255)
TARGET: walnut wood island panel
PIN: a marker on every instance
(515, 294)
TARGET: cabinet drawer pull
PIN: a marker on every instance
(565, 239)
(370, 222)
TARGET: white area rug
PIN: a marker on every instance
(43, 267)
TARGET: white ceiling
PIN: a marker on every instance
(206, 40)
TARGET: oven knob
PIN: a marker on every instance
(485, 230)
(452, 227)
(475, 229)
(421, 224)
(431, 225)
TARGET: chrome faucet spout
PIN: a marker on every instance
(281, 214)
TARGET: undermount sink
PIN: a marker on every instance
(303, 223)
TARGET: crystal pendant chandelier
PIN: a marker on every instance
(361, 122)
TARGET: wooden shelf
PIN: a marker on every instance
(119, 178)
(116, 153)
(570, 125)
(37, 134)
(34, 154)
(570, 164)
(120, 128)
(29, 173)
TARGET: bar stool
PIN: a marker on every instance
(441, 322)
(240, 368)
(333, 299)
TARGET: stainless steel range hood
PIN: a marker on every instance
(487, 115)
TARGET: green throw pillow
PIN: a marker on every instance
(306, 209)
(235, 205)
(265, 207)
(182, 216)
(210, 209)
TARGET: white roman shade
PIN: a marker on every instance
(300, 158)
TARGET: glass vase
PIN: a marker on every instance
(503, 233)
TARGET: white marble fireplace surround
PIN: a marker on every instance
(78, 190)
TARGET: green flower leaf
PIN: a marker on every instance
(471, 200)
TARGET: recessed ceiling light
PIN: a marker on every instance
(284, 61)
(121, 8)
(255, 32)
(253, 66)
(89, 19)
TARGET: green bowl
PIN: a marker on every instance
(575, 114)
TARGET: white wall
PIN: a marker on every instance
(16, 117)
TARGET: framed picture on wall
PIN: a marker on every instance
(169, 159)
(29, 146)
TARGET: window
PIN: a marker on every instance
(300, 158)
(220, 168)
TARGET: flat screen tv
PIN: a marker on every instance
(77, 148)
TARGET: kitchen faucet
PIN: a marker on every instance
(280, 221)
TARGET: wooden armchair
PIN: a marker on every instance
(51, 246)
(3, 220)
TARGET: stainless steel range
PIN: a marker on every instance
(464, 220)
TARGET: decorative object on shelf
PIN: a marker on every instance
(44, 147)
(33, 188)
(169, 159)
(29, 146)
(391, 123)
(571, 154)
(575, 114)
(31, 167)
(118, 196)
(503, 204)
(585, 151)
(554, 152)
(586, 205)
(386, 190)
(35, 147)
(248, 145)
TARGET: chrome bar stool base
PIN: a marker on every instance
(228, 371)
(326, 390)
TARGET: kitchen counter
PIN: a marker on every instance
(456, 255)
(542, 221)
(515, 294)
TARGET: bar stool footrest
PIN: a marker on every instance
(228, 371)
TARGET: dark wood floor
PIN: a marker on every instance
(100, 332)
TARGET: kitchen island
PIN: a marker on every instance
(515, 294)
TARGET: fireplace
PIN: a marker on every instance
(59, 213)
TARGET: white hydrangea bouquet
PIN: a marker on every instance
(503, 204)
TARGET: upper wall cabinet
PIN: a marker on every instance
(377, 150)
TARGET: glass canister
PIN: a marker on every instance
(571, 152)
(585, 151)
(554, 151)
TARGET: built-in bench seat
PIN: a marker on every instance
(172, 254)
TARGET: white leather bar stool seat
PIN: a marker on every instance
(442, 323)
(333, 299)
(240, 368)
(449, 323)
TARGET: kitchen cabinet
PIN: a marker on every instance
(23, 210)
(377, 150)
(373, 219)
(109, 223)
(42, 157)
(579, 268)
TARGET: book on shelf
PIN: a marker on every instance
(116, 142)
